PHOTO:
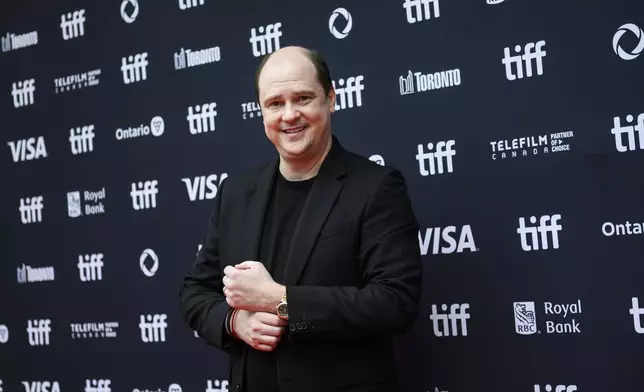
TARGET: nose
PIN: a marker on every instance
(290, 113)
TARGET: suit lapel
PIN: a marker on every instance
(257, 199)
(322, 196)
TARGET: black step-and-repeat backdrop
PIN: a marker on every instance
(518, 124)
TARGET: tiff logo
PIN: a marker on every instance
(436, 160)
(349, 88)
(557, 388)
(134, 68)
(201, 118)
(531, 51)
(73, 24)
(90, 267)
(268, 39)
(81, 139)
(23, 92)
(28, 149)
(31, 209)
(418, 10)
(530, 235)
(97, 385)
(144, 194)
(153, 328)
(38, 332)
(446, 324)
(628, 132)
(637, 313)
(217, 386)
(186, 4)
(203, 187)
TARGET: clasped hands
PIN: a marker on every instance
(250, 288)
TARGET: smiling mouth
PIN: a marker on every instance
(295, 129)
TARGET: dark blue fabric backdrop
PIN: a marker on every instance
(519, 126)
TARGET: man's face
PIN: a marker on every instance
(296, 112)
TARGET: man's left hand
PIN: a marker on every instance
(249, 286)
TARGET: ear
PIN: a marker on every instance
(331, 99)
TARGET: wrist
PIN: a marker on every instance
(276, 296)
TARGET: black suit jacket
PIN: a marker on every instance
(353, 277)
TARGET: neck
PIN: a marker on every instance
(304, 168)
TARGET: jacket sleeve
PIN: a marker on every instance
(391, 271)
(202, 302)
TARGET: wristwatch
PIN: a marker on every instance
(282, 308)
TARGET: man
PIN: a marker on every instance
(311, 263)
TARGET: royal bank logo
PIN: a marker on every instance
(637, 32)
(12, 41)
(417, 82)
(86, 203)
(544, 144)
(194, 58)
(559, 318)
(346, 20)
(77, 81)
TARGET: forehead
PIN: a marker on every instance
(286, 73)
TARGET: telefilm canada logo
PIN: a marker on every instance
(77, 81)
(543, 144)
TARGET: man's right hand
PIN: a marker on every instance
(260, 330)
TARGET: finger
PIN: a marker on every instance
(271, 319)
(268, 330)
(227, 281)
(246, 264)
(230, 270)
(264, 347)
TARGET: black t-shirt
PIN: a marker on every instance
(282, 214)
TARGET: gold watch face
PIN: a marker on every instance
(282, 309)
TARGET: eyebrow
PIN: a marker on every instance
(297, 92)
